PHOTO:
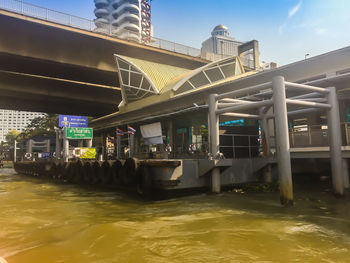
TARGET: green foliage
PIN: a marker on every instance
(42, 126)
(11, 136)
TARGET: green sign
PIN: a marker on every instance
(79, 133)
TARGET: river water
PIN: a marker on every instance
(42, 222)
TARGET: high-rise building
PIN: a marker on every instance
(221, 45)
(15, 120)
(126, 19)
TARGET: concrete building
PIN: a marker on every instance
(15, 120)
(127, 19)
(221, 45)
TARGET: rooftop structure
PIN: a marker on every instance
(221, 45)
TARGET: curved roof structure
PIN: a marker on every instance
(141, 78)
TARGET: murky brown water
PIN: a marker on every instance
(43, 222)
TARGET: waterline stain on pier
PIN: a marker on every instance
(44, 222)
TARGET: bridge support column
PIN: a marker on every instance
(131, 145)
(282, 141)
(213, 124)
(335, 142)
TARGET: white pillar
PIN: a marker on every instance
(15, 151)
(65, 147)
(214, 136)
(89, 143)
(282, 141)
(335, 142)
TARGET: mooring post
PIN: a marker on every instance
(214, 141)
(335, 142)
(282, 141)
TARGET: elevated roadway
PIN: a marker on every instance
(50, 67)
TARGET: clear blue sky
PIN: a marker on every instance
(286, 29)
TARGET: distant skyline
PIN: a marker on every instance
(285, 29)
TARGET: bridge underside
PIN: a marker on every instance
(54, 68)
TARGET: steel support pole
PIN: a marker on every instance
(335, 142)
(15, 151)
(65, 146)
(213, 122)
(119, 140)
(89, 143)
(131, 145)
(282, 141)
(65, 150)
(58, 144)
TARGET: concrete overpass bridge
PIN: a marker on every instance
(56, 63)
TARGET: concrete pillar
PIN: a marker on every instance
(335, 142)
(48, 144)
(268, 174)
(58, 145)
(65, 150)
(89, 143)
(346, 173)
(214, 136)
(30, 146)
(282, 141)
(265, 134)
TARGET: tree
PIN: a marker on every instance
(42, 126)
(11, 136)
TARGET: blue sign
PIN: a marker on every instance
(73, 121)
(44, 155)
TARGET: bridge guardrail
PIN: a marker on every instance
(43, 13)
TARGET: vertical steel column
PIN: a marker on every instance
(58, 144)
(119, 140)
(213, 124)
(335, 141)
(131, 145)
(15, 151)
(65, 147)
(48, 145)
(89, 143)
(282, 141)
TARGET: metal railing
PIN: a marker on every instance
(31, 10)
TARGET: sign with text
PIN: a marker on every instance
(73, 121)
(85, 153)
(44, 155)
(79, 133)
